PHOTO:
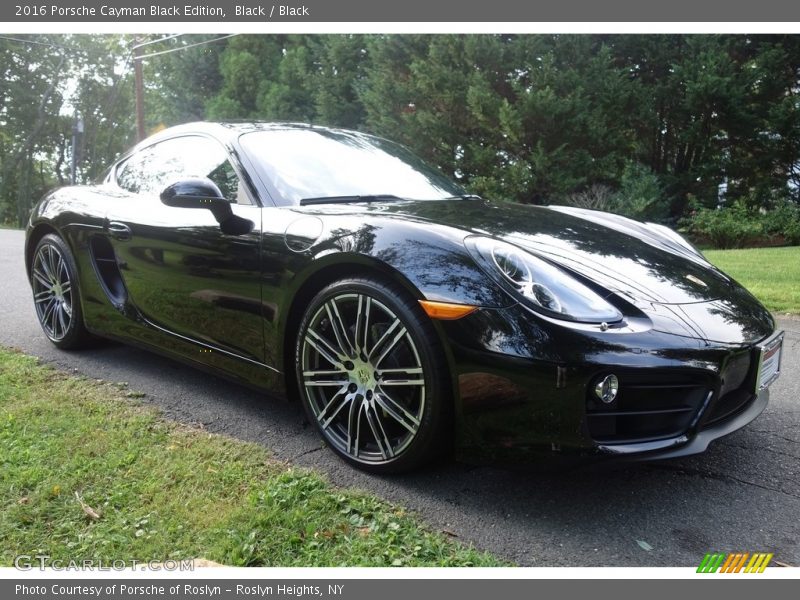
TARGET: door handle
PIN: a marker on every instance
(119, 231)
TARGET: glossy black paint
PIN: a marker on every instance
(181, 282)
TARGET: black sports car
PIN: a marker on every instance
(407, 315)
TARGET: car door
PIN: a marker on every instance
(182, 272)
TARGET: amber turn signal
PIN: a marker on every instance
(445, 310)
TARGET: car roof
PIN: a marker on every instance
(227, 131)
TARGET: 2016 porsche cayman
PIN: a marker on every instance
(337, 267)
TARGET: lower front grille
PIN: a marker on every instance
(728, 406)
(736, 389)
(649, 406)
(653, 405)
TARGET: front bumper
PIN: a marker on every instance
(525, 386)
(689, 444)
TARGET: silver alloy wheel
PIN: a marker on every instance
(363, 378)
(52, 291)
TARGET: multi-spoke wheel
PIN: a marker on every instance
(55, 293)
(371, 376)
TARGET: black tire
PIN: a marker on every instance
(344, 370)
(56, 294)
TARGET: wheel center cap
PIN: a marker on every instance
(363, 375)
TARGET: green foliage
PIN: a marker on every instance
(103, 98)
(47, 80)
(783, 221)
(733, 227)
(180, 83)
(164, 491)
(640, 194)
(645, 124)
(739, 225)
(30, 102)
(595, 197)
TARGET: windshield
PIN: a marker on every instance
(318, 163)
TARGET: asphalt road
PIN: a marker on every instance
(742, 495)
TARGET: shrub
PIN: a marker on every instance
(783, 222)
(640, 195)
(737, 226)
(731, 227)
(596, 197)
(792, 233)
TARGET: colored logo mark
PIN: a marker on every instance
(737, 562)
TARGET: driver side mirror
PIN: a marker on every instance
(197, 192)
(201, 192)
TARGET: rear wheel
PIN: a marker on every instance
(56, 295)
(372, 377)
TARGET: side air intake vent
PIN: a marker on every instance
(105, 264)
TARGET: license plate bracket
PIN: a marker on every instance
(769, 361)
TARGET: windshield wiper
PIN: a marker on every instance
(349, 199)
(464, 197)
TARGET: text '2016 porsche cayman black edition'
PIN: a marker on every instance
(406, 315)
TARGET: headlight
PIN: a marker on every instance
(544, 287)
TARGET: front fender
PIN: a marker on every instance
(431, 258)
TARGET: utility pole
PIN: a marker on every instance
(77, 131)
(139, 84)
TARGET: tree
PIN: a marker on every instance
(29, 107)
(181, 82)
(102, 97)
(247, 65)
(647, 123)
(50, 82)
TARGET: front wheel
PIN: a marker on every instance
(371, 373)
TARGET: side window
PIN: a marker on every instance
(155, 167)
(132, 175)
(228, 182)
(150, 170)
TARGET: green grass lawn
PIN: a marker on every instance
(771, 274)
(167, 491)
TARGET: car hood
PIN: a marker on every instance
(681, 292)
(614, 254)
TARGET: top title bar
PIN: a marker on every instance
(408, 11)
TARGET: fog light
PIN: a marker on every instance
(606, 389)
